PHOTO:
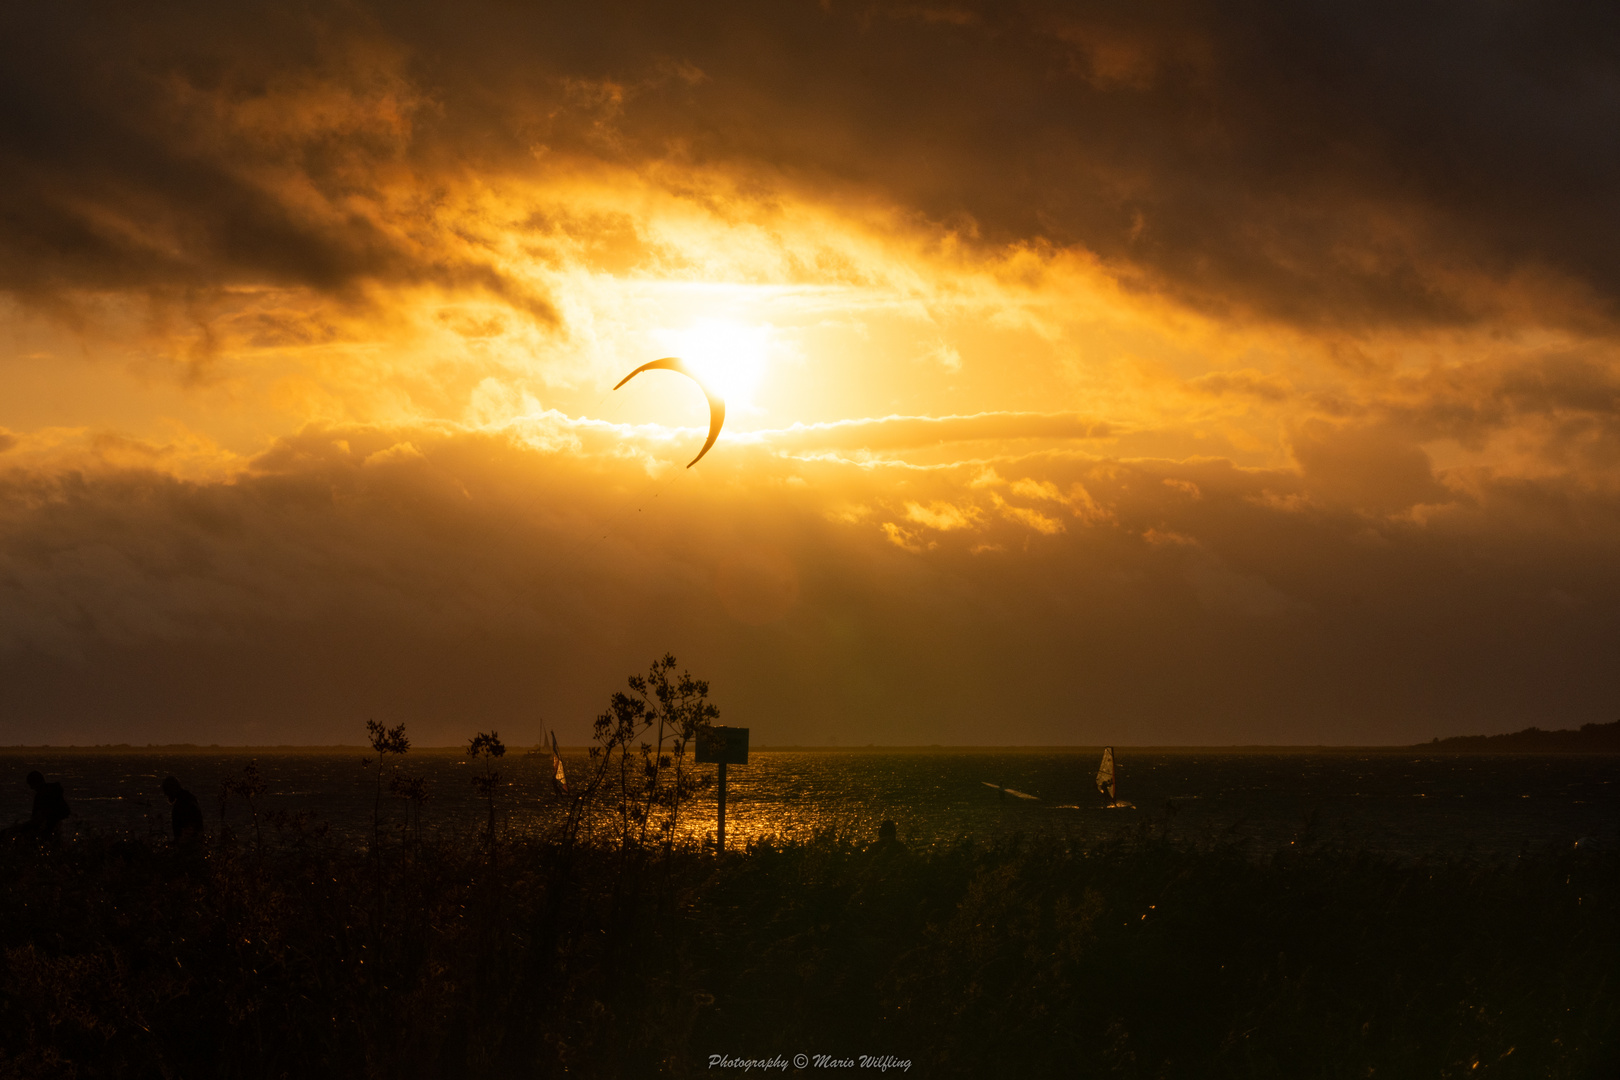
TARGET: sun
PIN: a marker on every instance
(729, 357)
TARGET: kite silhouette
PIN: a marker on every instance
(717, 404)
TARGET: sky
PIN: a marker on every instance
(1181, 374)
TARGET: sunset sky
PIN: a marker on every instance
(1143, 374)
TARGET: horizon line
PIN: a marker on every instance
(773, 748)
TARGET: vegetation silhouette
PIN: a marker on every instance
(249, 785)
(385, 742)
(416, 791)
(1036, 955)
(1588, 739)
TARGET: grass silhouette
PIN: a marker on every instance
(1032, 956)
(607, 947)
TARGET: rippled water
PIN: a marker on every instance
(1407, 803)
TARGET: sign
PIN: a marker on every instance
(722, 746)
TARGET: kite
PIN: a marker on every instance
(717, 404)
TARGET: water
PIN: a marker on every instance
(1409, 804)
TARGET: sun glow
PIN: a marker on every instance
(729, 356)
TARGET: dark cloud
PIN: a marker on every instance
(1311, 163)
(193, 149)
(1366, 468)
(1318, 164)
(457, 580)
(1557, 408)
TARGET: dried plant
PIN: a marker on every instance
(414, 790)
(384, 741)
(653, 781)
(487, 747)
(249, 785)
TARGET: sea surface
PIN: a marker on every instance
(1406, 803)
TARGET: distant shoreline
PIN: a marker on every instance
(1588, 739)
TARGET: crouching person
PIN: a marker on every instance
(185, 815)
(44, 824)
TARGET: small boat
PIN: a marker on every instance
(1107, 782)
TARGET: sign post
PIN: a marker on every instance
(722, 746)
(720, 828)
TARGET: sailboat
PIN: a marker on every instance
(1106, 782)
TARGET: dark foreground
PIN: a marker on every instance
(1032, 957)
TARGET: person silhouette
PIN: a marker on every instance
(186, 816)
(50, 809)
(887, 842)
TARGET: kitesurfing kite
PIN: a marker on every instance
(717, 404)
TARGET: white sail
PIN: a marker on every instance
(559, 779)
(1105, 773)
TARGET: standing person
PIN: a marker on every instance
(186, 816)
(50, 808)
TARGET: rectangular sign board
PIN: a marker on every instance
(722, 746)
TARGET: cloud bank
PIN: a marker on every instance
(1181, 374)
(454, 579)
(1309, 165)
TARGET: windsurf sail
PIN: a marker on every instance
(1105, 773)
(559, 778)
